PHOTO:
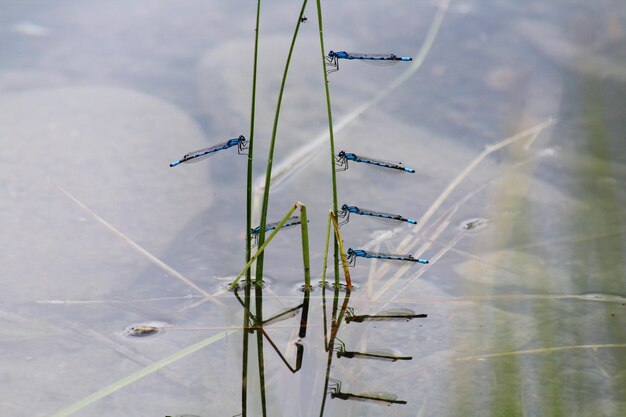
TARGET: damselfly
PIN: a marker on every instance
(346, 210)
(342, 158)
(394, 314)
(283, 315)
(354, 253)
(377, 397)
(333, 58)
(383, 355)
(292, 221)
(201, 154)
(278, 317)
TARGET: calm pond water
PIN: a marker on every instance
(512, 115)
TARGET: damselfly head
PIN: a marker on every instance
(344, 207)
(341, 154)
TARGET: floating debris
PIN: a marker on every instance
(144, 329)
(474, 224)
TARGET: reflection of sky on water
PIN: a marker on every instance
(99, 97)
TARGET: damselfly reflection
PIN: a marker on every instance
(200, 154)
(342, 158)
(355, 253)
(394, 314)
(276, 318)
(291, 221)
(383, 355)
(346, 210)
(283, 315)
(375, 397)
(256, 325)
(332, 60)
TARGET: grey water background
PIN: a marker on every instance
(526, 314)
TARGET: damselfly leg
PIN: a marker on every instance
(332, 63)
(334, 387)
(341, 161)
(339, 347)
(242, 146)
(344, 214)
(351, 257)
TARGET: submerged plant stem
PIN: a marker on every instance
(258, 302)
(304, 227)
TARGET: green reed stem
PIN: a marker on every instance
(338, 240)
(305, 247)
(246, 310)
(326, 251)
(330, 128)
(258, 293)
(342, 253)
(251, 141)
(270, 159)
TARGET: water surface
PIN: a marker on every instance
(515, 118)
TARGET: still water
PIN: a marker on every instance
(512, 115)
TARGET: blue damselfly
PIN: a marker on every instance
(342, 158)
(292, 221)
(200, 154)
(387, 315)
(354, 253)
(332, 60)
(346, 210)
